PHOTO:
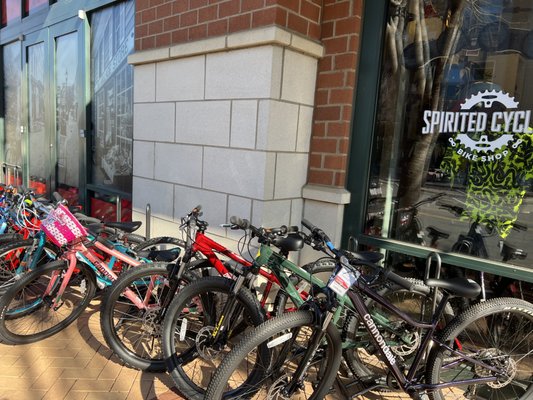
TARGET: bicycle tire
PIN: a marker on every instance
(23, 303)
(134, 334)
(360, 359)
(327, 359)
(10, 256)
(190, 320)
(499, 332)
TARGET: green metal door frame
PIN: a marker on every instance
(364, 115)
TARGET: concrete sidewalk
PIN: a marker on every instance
(76, 364)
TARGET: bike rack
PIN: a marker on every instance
(437, 276)
(7, 168)
(148, 222)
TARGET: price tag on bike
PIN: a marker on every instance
(343, 280)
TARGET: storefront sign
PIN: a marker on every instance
(468, 122)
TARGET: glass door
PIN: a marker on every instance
(13, 129)
(37, 107)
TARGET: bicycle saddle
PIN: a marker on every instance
(291, 242)
(462, 287)
(124, 226)
(367, 256)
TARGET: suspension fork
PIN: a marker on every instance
(230, 310)
(312, 348)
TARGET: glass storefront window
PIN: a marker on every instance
(30, 6)
(11, 10)
(112, 86)
(452, 157)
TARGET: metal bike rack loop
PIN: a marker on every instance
(148, 220)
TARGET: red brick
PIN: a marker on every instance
(264, 17)
(138, 44)
(240, 22)
(297, 23)
(251, 5)
(315, 161)
(347, 26)
(142, 5)
(198, 32)
(339, 179)
(337, 10)
(338, 129)
(314, 31)
(353, 44)
(325, 63)
(321, 177)
(171, 23)
(180, 6)
(189, 18)
(148, 15)
(155, 28)
(323, 145)
(336, 45)
(330, 79)
(350, 78)
(321, 96)
(148, 43)
(155, 3)
(141, 31)
(310, 11)
(358, 8)
(228, 8)
(341, 96)
(138, 19)
(163, 11)
(327, 113)
(327, 29)
(180, 36)
(319, 129)
(217, 28)
(344, 145)
(163, 40)
(335, 162)
(197, 3)
(207, 13)
(281, 17)
(293, 5)
(345, 61)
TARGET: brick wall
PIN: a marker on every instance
(341, 24)
(167, 22)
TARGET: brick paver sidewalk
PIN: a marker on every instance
(77, 365)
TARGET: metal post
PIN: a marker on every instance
(119, 209)
(148, 220)
(437, 276)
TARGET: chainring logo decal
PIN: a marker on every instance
(471, 125)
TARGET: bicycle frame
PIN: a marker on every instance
(409, 382)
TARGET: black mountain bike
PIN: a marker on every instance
(486, 352)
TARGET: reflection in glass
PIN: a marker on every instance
(67, 114)
(38, 145)
(10, 11)
(31, 6)
(112, 85)
(453, 153)
(12, 119)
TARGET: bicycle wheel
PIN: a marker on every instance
(287, 336)
(498, 333)
(134, 333)
(26, 312)
(11, 256)
(189, 324)
(159, 243)
(404, 340)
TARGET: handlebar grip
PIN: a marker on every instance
(57, 197)
(309, 225)
(403, 282)
(241, 223)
